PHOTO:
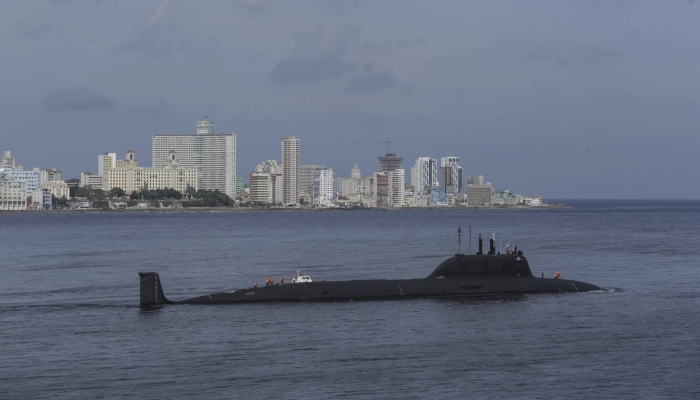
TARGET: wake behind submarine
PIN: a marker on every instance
(459, 276)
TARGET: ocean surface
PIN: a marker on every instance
(70, 326)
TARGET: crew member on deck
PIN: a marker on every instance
(542, 274)
(556, 276)
(281, 280)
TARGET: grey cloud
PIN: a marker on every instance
(412, 42)
(377, 47)
(316, 34)
(371, 83)
(76, 98)
(149, 110)
(294, 70)
(34, 29)
(338, 7)
(373, 124)
(145, 44)
(253, 7)
(581, 55)
(161, 30)
(316, 56)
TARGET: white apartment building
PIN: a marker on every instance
(213, 156)
(269, 167)
(88, 179)
(57, 188)
(261, 187)
(13, 193)
(305, 182)
(424, 174)
(324, 183)
(31, 179)
(105, 162)
(51, 174)
(130, 177)
(205, 127)
(290, 167)
(396, 190)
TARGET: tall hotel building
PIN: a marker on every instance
(450, 174)
(424, 174)
(290, 170)
(213, 156)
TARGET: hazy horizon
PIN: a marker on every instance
(563, 99)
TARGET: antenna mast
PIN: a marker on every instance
(459, 240)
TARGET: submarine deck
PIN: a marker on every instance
(397, 289)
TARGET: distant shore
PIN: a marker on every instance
(273, 209)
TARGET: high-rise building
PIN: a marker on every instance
(451, 174)
(396, 190)
(475, 179)
(324, 183)
(269, 167)
(8, 162)
(261, 187)
(380, 189)
(290, 167)
(105, 162)
(205, 127)
(212, 155)
(307, 175)
(355, 172)
(424, 174)
(390, 162)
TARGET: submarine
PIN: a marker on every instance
(459, 276)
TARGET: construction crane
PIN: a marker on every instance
(386, 142)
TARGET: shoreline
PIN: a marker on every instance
(195, 210)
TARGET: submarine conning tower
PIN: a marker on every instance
(483, 265)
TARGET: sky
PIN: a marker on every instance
(563, 99)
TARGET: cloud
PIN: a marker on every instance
(146, 44)
(296, 70)
(158, 14)
(316, 56)
(76, 98)
(253, 7)
(160, 32)
(371, 83)
(373, 124)
(158, 110)
(412, 42)
(34, 29)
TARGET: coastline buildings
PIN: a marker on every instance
(13, 193)
(424, 174)
(478, 193)
(305, 183)
(212, 155)
(266, 183)
(324, 185)
(450, 174)
(130, 177)
(290, 168)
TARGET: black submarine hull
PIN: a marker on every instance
(393, 289)
(459, 276)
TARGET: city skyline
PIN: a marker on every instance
(544, 97)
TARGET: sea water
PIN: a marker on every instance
(70, 326)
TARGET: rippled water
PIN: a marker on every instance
(70, 326)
